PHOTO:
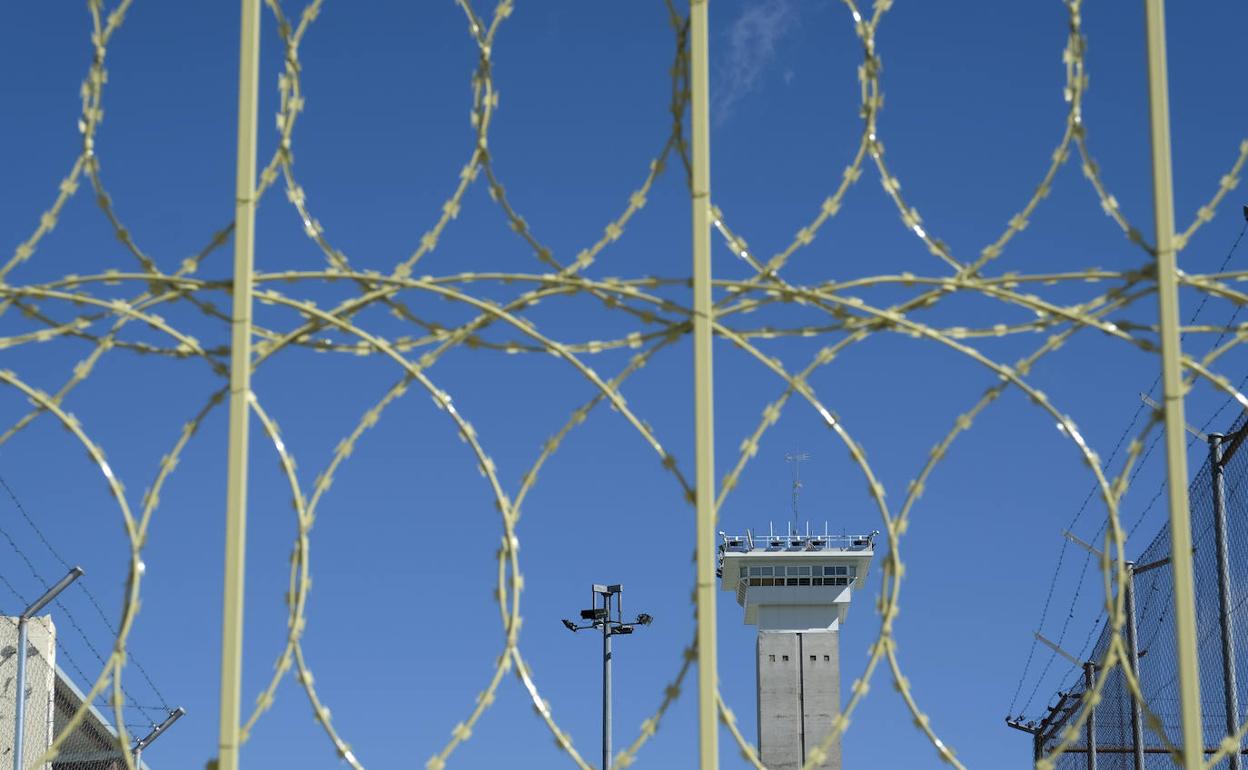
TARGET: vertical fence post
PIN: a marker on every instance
(240, 389)
(19, 695)
(704, 413)
(23, 632)
(1172, 379)
(1133, 647)
(1229, 685)
(1089, 682)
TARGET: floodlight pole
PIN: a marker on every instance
(156, 732)
(606, 690)
(601, 618)
(19, 709)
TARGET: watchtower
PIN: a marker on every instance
(796, 589)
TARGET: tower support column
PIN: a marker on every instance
(799, 697)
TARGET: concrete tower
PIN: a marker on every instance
(796, 589)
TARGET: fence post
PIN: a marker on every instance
(704, 413)
(1133, 645)
(19, 694)
(240, 390)
(1089, 682)
(1173, 389)
(1229, 686)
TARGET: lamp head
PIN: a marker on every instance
(645, 619)
(569, 624)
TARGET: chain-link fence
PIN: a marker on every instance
(93, 745)
(35, 684)
(1119, 737)
(51, 699)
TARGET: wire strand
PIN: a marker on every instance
(73, 621)
(1092, 493)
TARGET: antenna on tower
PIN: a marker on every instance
(796, 457)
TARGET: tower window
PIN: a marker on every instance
(772, 657)
(785, 658)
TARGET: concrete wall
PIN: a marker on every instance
(821, 691)
(40, 684)
(799, 695)
(798, 618)
(779, 708)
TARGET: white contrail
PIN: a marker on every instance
(752, 43)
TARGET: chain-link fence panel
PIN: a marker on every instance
(51, 699)
(1108, 741)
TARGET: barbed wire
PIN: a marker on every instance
(100, 321)
(1065, 544)
(82, 586)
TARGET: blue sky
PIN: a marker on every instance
(402, 631)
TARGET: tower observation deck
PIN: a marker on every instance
(797, 589)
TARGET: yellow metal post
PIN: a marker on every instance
(240, 389)
(703, 386)
(1172, 379)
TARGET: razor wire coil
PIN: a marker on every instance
(100, 322)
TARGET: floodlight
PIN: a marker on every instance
(607, 619)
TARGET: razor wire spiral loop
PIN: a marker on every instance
(1114, 571)
(664, 321)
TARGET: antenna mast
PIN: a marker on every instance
(796, 457)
